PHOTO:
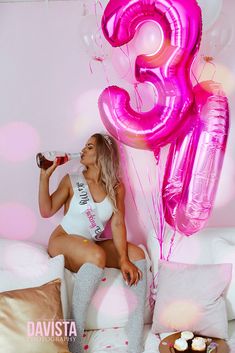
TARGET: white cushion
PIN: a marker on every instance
(110, 306)
(224, 252)
(14, 253)
(231, 333)
(191, 297)
(25, 264)
(199, 248)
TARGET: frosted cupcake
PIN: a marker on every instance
(181, 345)
(188, 336)
(198, 344)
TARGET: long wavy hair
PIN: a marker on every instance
(108, 161)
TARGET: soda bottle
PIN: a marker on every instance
(46, 159)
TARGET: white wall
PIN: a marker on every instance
(49, 88)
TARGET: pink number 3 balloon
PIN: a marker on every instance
(167, 70)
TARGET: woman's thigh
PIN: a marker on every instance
(76, 250)
(112, 258)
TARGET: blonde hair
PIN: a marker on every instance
(108, 161)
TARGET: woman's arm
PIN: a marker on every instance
(118, 225)
(50, 204)
(129, 271)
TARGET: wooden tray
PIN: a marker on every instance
(166, 344)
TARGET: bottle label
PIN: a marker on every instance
(87, 206)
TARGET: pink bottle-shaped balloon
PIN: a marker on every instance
(46, 159)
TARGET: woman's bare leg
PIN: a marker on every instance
(134, 253)
(77, 250)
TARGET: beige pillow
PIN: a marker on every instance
(34, 305)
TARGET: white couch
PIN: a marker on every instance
(103, 333)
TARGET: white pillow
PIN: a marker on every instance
(224, 252)
(14, 253)
(191, 298)
(110, 305)
(34, 275)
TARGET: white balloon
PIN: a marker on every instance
(148, 39)
(218, 37)
(92, 38)
(210, 12)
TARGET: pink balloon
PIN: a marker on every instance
(167, 70)
(195, 161)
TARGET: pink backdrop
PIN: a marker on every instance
(49, 91)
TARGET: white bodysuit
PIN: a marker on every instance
(75, 222)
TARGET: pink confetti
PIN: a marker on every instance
(108, 346)
(126, 342)
(86, 347)
(104, 279)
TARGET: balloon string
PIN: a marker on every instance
(129, 59)
(90, 66)
(153, 291)
(142, 189)
(208, 60)
(98, 2)
(153, 196)
(138, 99)
(172, 241)
(138, 96)
(128, 178)
(154, 201)
(197, 80)
(161, 223)
(128, 56)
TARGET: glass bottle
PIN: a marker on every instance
(46, 159)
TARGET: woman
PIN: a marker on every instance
(90, 200)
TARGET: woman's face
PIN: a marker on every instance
(88, 154)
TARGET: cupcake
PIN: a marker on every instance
(181, 345)
(188, 336)
(199, 344)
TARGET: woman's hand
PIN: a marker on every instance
(48, 172)
(131, 274)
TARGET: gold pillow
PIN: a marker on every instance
(22, 313)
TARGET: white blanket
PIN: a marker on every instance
(114, 340)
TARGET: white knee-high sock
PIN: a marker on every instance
(87, 280)
(135, 325)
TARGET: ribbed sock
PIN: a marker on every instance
(87, 280)
(135, 325)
